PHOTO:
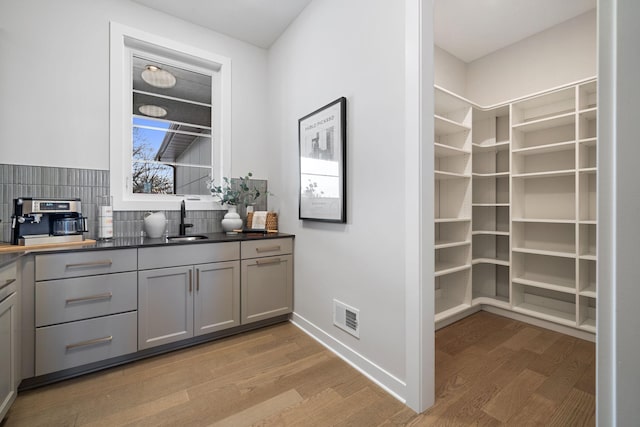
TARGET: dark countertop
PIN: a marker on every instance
(143, 242)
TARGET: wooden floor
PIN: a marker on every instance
(490, 371)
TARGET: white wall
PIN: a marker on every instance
(449, 71)
(353, 49)
(54, 81)
(560, 55)
(618, 375)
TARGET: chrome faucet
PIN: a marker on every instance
(183, 214)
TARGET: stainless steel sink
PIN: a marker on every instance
(185, 238)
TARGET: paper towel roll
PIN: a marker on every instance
(106, 211)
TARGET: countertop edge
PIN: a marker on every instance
(143, 242)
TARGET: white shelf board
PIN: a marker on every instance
(444, 268)
(496, 301)
(546, 148)
(443, 150)
(567, 288)
(441, 220)
(546, 313)
(441, 175)
(588, 222)
(589, 325)
(589, 292)
(446, 308)
(544, 252)
(589, 257)
(587, 171)
(451, 244)
(545, 220)
(491, 204)
(498, 146)
(588, 142)
(546, 123)
(444, 126)
(490, 261)
(490, 232)
(548, 174)
(489, 175)
(589, 113)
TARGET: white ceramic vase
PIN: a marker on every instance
(154, 224)
(231, 220)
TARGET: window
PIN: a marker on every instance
(168, 131)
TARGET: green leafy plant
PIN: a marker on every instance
(234, 193)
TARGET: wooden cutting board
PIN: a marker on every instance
(7, 248)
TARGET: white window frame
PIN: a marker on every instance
(123, 41)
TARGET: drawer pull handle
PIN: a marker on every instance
(267, 262)
(105, 263)
(89, 342)
(198, 279)
(268, 249)
(106, 295)
(190, 280)
(7, 283)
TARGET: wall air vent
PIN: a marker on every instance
(346, 318)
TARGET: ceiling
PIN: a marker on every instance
(259, 22)
(471, 29)
(468, 29)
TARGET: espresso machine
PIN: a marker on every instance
(38, 221)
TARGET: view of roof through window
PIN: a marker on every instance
(171, 132)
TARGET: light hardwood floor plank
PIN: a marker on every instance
(490, 371)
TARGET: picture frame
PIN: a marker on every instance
(322, 145)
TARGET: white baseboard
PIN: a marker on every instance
(541, 323)
(391, 384)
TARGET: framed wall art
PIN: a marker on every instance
(322, 140)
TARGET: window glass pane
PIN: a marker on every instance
(147, 142)
(189, 85)
(171, 143)
(174, 110)
(153, 178)
(192, 180)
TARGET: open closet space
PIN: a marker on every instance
(515, 172)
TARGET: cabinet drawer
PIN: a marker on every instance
(8, 283)
(78, 343)
(267, 247)
(76, 264)
(66, 300)
(266, 288)
(176, 255)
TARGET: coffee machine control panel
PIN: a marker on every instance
(50, 206)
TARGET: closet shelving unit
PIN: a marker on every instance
(491, 206)
(516, 202)
(452, 163)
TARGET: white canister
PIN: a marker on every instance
(154, 224)
(105, 218)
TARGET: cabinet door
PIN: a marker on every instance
(8, 352)
(267, 287)
(217, 297)
(165, 306)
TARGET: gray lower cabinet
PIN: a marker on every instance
(176, 303)
(267, 281)
(74, 344)
(9, 342)
(85, 308)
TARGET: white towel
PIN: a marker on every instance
(259, 220)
